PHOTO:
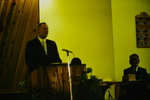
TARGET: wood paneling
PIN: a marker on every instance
(18, 18)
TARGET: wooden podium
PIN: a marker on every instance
(52, 82)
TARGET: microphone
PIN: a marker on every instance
(67, 50)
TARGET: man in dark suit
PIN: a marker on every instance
(135, 69)
(41, 51)
(135, 91)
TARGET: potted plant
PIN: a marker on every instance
(88, 88)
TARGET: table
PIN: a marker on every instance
(129, 89)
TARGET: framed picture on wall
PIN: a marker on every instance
(143, 30)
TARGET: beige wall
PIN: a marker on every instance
(84, 27)
(124, 34)
(100, 32)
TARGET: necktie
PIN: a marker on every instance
(44, 46)
(136, 69)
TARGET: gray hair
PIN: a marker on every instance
(39, 25)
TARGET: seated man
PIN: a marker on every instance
(135, 91)
(139, 72)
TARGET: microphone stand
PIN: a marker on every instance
(69, 73)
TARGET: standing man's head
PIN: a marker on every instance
(42, 30)
(134, 60)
